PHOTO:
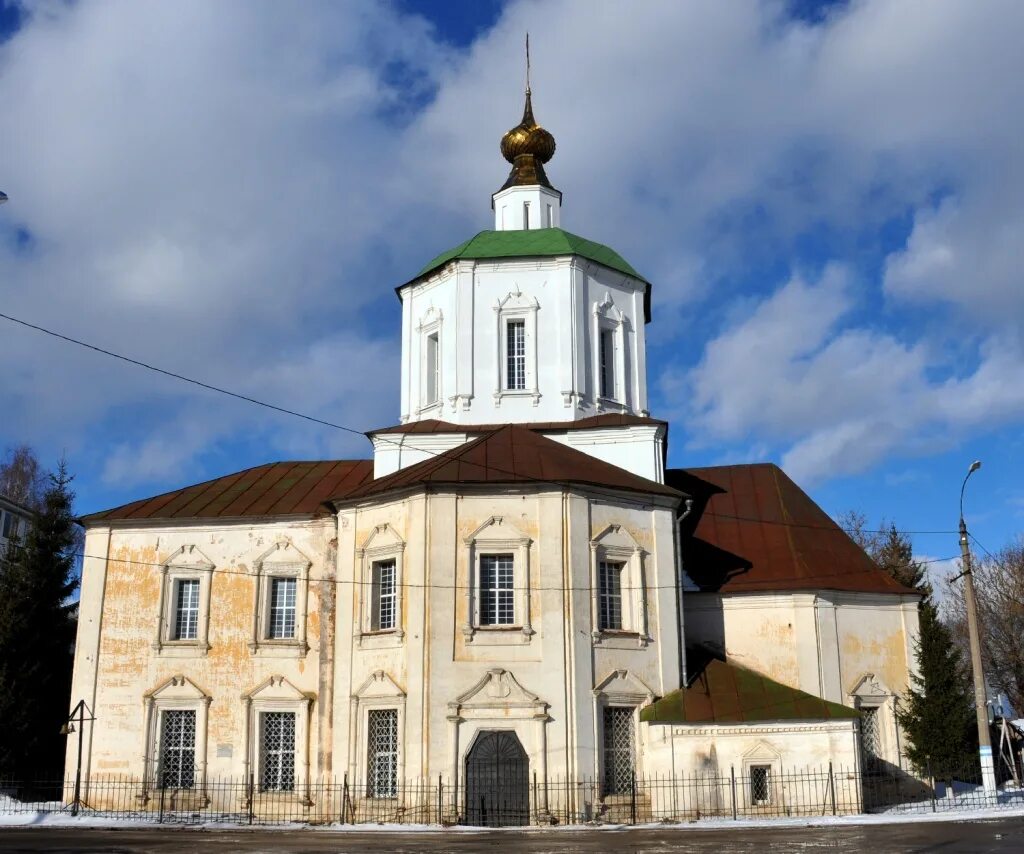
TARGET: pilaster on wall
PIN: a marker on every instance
(828, 651)
(87, 644)
(805, 628)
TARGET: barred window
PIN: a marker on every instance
(497, 603)
(870, 737)
(618, 750)
(382, 753)
(178, 749)
(609, 595)
(277, 751)
(515, 351)
(433, 369)
(186, 609)
(384, 607)
(607, 354)
(282, 608)
(760, 784)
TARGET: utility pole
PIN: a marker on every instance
(988, 771)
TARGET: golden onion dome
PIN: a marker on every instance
(528, 137)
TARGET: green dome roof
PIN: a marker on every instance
(534, 242)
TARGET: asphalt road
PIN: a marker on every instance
(1005, 834)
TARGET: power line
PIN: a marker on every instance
(331, 424)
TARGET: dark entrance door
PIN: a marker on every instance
(497, 781)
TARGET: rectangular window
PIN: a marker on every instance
(10, 525)
(382, 753)
(432, 369)
(515, 351)
(760, 784)
(609, 595)
(870, 738)
(186, 609)
(384, 611)
(277, 751)
(497, 603)
(607, 344)
(178, 749)
(550, 218)
(526, 215)
(282, 608)
(618, 750)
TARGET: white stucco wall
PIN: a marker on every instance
(562, 301)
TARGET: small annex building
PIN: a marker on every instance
(513, 580)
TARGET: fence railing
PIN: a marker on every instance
(757, 791)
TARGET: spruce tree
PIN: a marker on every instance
(937, 713)
(37, 634)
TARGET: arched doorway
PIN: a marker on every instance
(497, 781)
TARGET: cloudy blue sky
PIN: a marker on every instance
(827, 197)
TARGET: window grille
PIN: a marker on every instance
(385, 596)
(618, 750)
(607, 344)
(870, 737)
(760, 784)
(609, 595)
(382, 753)
(282, 608)
(186, 612)
(178, 749)
(277, 751)
(497, 603)
(515, 346)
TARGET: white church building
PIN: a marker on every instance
(514, 581)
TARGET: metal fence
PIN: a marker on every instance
(760, 791)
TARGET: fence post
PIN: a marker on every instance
(732, 773)
(252, 797)
(440, 798)
(344, 799)
(160, 818)
(632, 797)
(931, 779)
(832, 786)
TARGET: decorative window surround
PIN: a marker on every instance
(516, 306)
(765, 756)
(607, 316)
(382, 544)
(176, 694)
(277, 694)
(497, 536)
(616, 545)
(282, 560)
(621, 689)
(379, 691)
(187, 563)
(869, 692)
(430, 324)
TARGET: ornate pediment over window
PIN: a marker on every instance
(621, 686)
(277, 688)
(379, 686)
(176, 688)
(869, 690)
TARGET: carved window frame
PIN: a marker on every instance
(498, 537)
(608, 317)
(516, 306)
(277, 694)
(431, 323)
(282, 560)
(173, 695)
(615, 544)
(382, 544)
(188, 563)
(378, 693)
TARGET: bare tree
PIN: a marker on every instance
(872, 540)
(22, 478)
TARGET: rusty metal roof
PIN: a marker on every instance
(753, 529)
(512, 454)
(721, 692)
(610, 419)
(274, 489)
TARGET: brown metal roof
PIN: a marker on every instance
(274, 489)
(432, 425)
(722, 692)
(512, 454)
(754, 529)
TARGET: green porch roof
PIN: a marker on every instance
(532, 243)
(726, 693)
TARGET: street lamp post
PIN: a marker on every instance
(988, 772)
(77, 714)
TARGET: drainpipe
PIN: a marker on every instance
(680, 634)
